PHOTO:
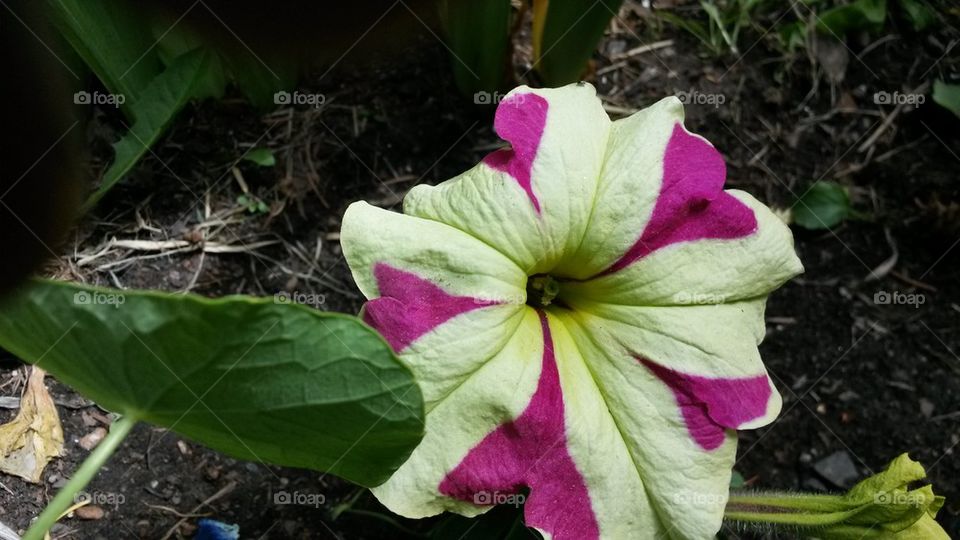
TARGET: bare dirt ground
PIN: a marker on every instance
(863, 381)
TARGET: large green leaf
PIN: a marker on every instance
(175, 41)
(477, 35)
(159, 104)
(858, 15)
(571, 32)
(114, 40)
(259, 78)
(256, 379)
(919, 13)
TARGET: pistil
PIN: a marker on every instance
(542, 290)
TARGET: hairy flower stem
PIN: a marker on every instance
(797, 510)
(882, 506)
(88, 469)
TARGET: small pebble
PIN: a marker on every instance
(848, 395)
(90, 512)
(926, 407)
(212, 473)
(92, 439)
(838, 468)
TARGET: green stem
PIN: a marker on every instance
(798, 510)
(881, 506)
(348, 504)
(88, 469)
(799, 501)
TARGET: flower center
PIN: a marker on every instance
(542, 290)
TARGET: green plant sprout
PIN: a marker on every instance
(80, 478)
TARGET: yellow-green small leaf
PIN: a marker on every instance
(823, 206)
(261, 156)
(947, 96)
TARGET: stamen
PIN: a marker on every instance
(542, 290)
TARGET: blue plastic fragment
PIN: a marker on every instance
(211, 529)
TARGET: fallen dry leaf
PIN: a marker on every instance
(6, 533)
(34, 436)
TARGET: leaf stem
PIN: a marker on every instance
(88, 469)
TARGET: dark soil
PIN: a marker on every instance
(866, 379)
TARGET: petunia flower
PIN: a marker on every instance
(582, 311)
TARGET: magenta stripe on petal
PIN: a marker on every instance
(531, 451)
(520, 119)
(711, 404)
(410, 306)
(692, 204)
